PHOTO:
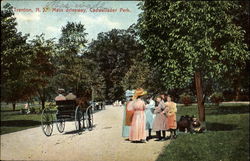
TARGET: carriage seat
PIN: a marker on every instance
(66, 104)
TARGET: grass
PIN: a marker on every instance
(226, 139)
(12, 121)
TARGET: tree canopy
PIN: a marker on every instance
(196, 37)
(113, 52)
(15, 54)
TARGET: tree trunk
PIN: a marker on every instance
(43, 104)
(14, 106)
(237, 96)
(200, 98)
(92, 94)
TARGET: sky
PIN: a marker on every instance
(32, 20)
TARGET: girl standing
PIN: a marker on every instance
(170, 111)
(159, 124)
(149, 116)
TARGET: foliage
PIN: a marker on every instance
(137, 75)
(187, 39)
(113, 52)
(15, 59)
(184, 37)
(74, 70)
(42, 69)
(186, 99)
(73, 38)
(216, 97)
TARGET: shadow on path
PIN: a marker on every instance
(76, 131)
(20, 123)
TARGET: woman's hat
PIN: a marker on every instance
(139, 92)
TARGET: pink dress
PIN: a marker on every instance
(138, 126)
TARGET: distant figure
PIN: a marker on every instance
(27, 107)
(120, 103)
(70, 96)
(60, 96)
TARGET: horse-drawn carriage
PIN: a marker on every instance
(66, 110)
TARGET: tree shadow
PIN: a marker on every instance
(220, 127)
(10, 110)
(20, 123)
(230, 110)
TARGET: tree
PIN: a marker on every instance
(70, 48)
(240, 80)
(192, 40)
(113, 52)
(73, 39)
(74, 69)
(42, 69)
(15, 59)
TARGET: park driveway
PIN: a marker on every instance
(103, 143)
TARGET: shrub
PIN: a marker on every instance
(32, 110)
(216, 97)
(186, 99)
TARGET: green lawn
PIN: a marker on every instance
(12, 121)
(227, 138)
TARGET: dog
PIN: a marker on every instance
(185, 123)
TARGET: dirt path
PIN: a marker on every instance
(103, 143)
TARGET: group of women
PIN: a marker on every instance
(145, 113)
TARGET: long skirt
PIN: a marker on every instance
(171, 121)
(138, 129)
(149, 119)
(159, 122)
(125, 127)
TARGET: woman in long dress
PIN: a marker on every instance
(127, 114)
(138, 125)
(149, 111)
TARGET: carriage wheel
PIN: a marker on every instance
(60, 124)
(47, 121)
(89, 118)
(79, 119)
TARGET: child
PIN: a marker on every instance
(170, 111)
(159, 124)
(149, 111)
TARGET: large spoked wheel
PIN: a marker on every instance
(79, 120)
(47, 121)
(60, 124)
(89, 118)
